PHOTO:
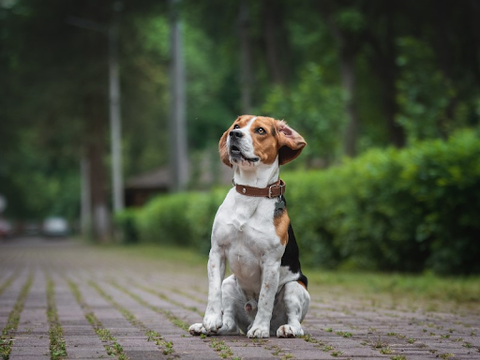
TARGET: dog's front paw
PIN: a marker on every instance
(212, 323)
(229, 326)
(289, 331)
(258, 332)
(197, 329)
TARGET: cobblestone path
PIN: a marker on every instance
(64, 300)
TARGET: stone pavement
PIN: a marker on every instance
(61, 300)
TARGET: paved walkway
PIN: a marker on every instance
(62, 300)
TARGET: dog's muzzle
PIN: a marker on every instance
(235, 151)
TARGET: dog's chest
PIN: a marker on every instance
(246, 218)
(245, 229)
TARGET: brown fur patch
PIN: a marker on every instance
(266, 145)
(279, 140)
(281, 223)
(301, 283)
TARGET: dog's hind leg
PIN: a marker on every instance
(296, 301)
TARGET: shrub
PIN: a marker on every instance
(183, 219)
(126, 226)
(406, 210)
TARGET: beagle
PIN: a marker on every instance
(267, 292)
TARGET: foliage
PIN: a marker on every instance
(180, 219)
(397, 210)
(425, 93)
(406, 210)
(313, 107)
(55, 79)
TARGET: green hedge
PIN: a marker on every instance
(179, 219)
(409, 210)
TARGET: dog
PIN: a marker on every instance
(267, 293)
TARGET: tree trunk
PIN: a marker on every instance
(349, 84)
(245, 57)
(85, 200)
(444, 57)
(388, 69)
(272, 28)
(96, 117)
(347, 51)
(178, 131)
(115, 115)
(96, 135)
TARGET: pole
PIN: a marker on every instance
(178, 156)
(115, 115)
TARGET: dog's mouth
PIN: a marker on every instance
(236, 154)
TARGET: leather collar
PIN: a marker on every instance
(271, 191)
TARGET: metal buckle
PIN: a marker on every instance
(281, 186)
(270, 191)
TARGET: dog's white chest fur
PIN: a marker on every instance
(243, 229)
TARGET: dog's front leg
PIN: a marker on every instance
(212, 320)
(270, 277)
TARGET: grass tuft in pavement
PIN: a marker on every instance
(112, 347)
(57, 342)
(167, 346)
(175, 320)
(8, 332)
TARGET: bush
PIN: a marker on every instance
(409, 210)
(126, 226)
(183, 219)
(405, 210)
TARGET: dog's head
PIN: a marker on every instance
(253, 140)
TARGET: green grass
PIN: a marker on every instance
(112, 347)
(151, 335)
(219, 346)
(170, 254)
(422, 286)
(172, 318)
(426, 286)
(8, 332)
(57, 342)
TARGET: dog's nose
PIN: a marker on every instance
(236, 134)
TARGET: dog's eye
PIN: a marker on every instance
(236, 126)
(260, 131)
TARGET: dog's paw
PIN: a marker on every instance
(212, 323)
(229, 326)
(258, 332)
(289, 331)
(197, 329)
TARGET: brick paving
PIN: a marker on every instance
(114, 306)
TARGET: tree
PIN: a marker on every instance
(346, 27)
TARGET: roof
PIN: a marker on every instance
(155, 179)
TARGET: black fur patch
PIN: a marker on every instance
(290, 257)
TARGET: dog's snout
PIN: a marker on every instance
(236, 134)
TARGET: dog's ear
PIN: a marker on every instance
(291, 143)
(222, 149)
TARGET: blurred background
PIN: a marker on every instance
(110, 111)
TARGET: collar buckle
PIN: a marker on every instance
(280, 185)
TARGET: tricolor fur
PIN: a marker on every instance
(267, 293)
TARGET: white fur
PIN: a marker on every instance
(261, 297)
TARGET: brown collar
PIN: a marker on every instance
(271, 191)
